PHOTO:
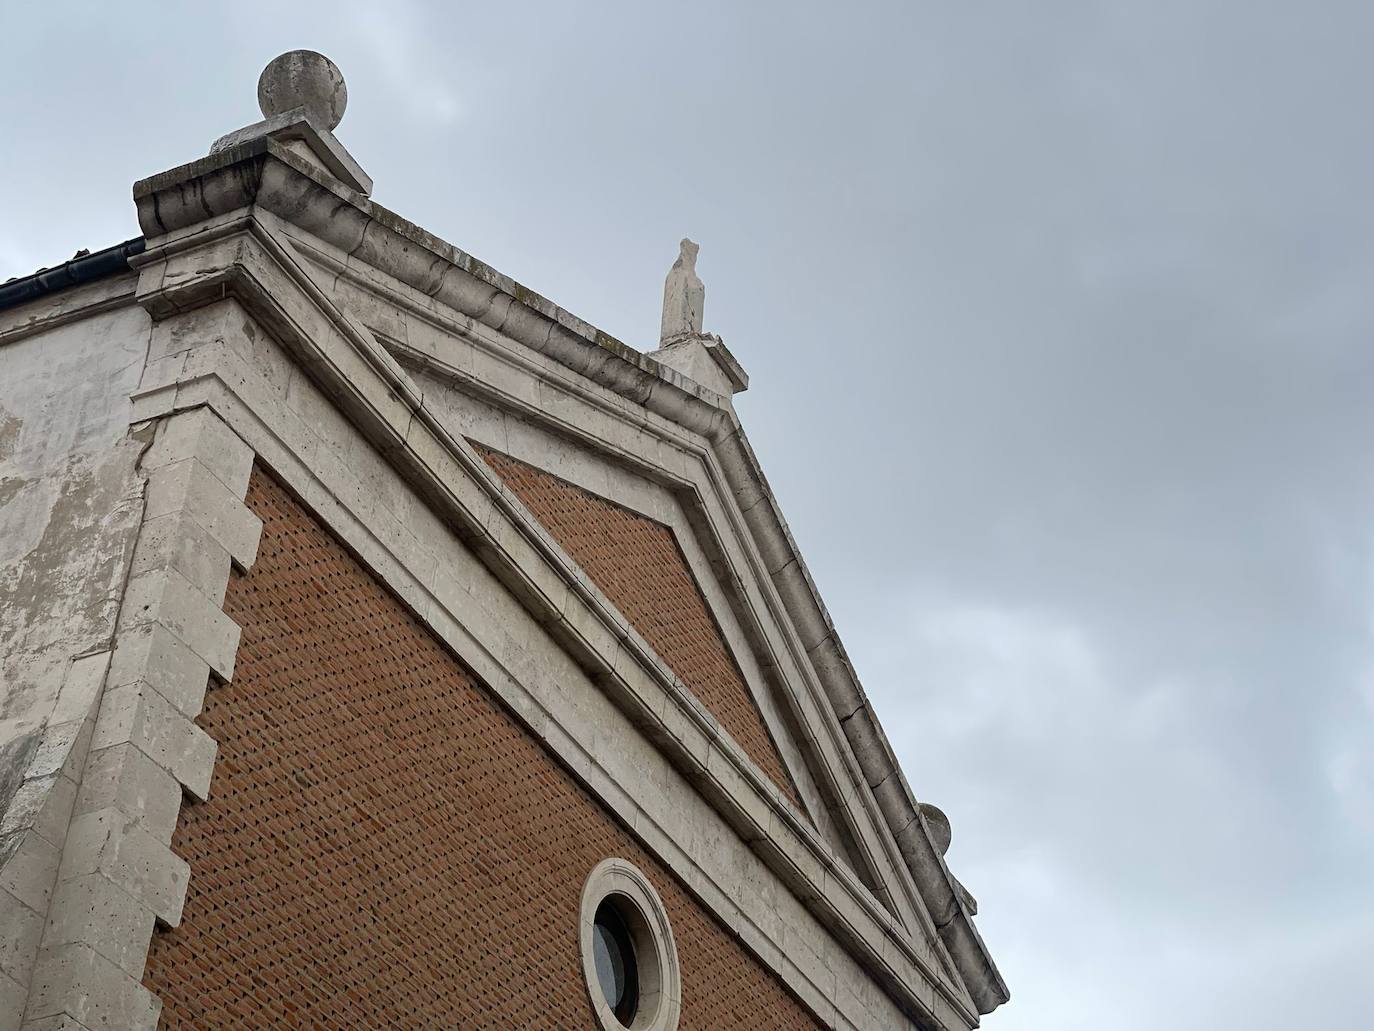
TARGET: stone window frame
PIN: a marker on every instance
(660, 989)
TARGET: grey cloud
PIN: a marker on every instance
(1058, 320)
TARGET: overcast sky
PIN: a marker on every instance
(1060, 324)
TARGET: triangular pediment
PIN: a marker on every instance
(492, 379)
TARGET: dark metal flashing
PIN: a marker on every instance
(85, 269)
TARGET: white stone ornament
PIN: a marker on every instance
(303, 96)
(303, 79)
(684, 296)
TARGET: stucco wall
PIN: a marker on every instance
(69, 496)
(70, 503)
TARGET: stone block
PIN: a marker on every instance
(21, 928)
(124, 778)
(189, 486)
(58, 742)
(29, 871)
(51, 824)
(142, 717)
(94, 911)
(12, 998)
(178, 542)
(154, 401)
(110, 843)
(151, 654)
(750, 809)
(81, 687)
(57, 1022)
(77, 981)
(186, 331)
(26, 805)
(165, 596)
(201, 434)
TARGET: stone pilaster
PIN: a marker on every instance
(118, 875)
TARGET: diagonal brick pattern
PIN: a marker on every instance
(638, 565)
(384, 846)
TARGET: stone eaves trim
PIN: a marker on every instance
(118, 876)
(263, 173)
(85, 268)
(47, 310)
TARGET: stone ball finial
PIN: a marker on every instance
(303, 78)
(938, 823)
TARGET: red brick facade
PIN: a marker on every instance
(638, 565)
(384, 846)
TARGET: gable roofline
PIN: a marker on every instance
(266, 174)
(944, 897)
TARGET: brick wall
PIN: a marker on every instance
(638, 565)
(384, 846)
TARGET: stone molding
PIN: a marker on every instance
(300, 128)
(266, 175)
(51, 310)
(654, 938)
(118, 876)
(241, 259)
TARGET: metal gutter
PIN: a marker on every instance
(85, 269)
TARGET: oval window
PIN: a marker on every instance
(628, 957)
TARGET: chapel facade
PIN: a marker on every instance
(382, 645)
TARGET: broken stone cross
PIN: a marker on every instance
(684, 296)
(683, 346)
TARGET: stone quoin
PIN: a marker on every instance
(382, 645)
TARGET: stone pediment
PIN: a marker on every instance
(419, 296)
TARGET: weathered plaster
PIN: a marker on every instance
(70, 502)
(68, 497)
